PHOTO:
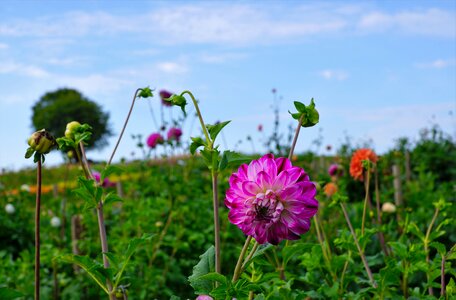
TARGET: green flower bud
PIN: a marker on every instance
(71, 129)
(41, 141)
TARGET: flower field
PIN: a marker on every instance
(212, 224)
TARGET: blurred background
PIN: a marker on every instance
(378, 70)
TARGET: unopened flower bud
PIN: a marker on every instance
(71, 129)
(41, 141)
(388, 207)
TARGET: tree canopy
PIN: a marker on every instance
(55, 109)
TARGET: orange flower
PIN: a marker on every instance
(356, 163)
(330, 189)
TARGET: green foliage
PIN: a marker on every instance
(55, 109)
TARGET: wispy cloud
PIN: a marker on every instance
(431, 22)
(437, 64)
(333, 74)
(221, 57)
(171, 67)
(3, 46)
(22, 69)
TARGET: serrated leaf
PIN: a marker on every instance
(111, 198)
(9, 294)
(111, 169)
(214, 130)
(399, 249)
(295, 250)
(114, 259)
(439, 247)
(231, 158)
(204, 266)
(196, 143)
(214, 277)
(452, 253)
(95, 270)
(300, 107)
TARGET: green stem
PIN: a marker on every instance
(324, 249)
(426, 245)
(344, 271)
(37, 230)
(124, 126)
(295, 138)
(198, 112)
(215, 203)
(361, 253)
(237, 269)
(381, 237)
(249, 257)
(366, 198)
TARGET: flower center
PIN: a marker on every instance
(267, 207)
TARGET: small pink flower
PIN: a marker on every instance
(164, 94)
(271, 200)
(335, 170)
(106, 181)
(174, 133)
(154, 139)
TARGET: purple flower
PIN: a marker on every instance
(334, 170)
(106, 181)
(154, 139)
(271, 200)
(164, 94)
(174, 133)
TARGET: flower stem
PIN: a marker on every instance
(237, 269)
(442, 277)
(324, 247)
(37, 230)
(426, 245)
(366, 198)
(124, 126)
(295, 138)
(249, 257)
(216, 222)
(100, 217)
(198, 112)
(381, 237)
(361, 253)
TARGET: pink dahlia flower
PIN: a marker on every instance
(271, 200)
(335, 170)
(174, 133)
(164, 94)
(154, 139)
(106, 181)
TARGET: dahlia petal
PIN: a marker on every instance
(269, 165)
(283, 164)
(250, 188)
(253, 169)
(291, 192)
(264, 180)
(294, 173)
(281, 181)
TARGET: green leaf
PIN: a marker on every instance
(214, 130)
(95, 270)
(300, 107)
(9, 294)
(196, 143)
(111, 198)
(295, 250)
(439, 247)
(178, 100)
(205, 266)
(231, 158)
(399, 249)
(214, 277)
(111, 169)
(295, 116)
(452, 253)
(29, 152)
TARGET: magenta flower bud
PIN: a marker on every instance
(335, 170)
(155, 139)
(271, 200)
(174, 133)
(106, 181)
(164, 94)
(260, 127)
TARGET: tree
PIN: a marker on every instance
(55, 109)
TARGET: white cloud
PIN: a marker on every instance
(22, 69)
(333, 74)
(172, 67)
(3, 46)
(221, 57)
(437, 64)
(431, 22)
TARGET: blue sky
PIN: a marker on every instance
(378, 70)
